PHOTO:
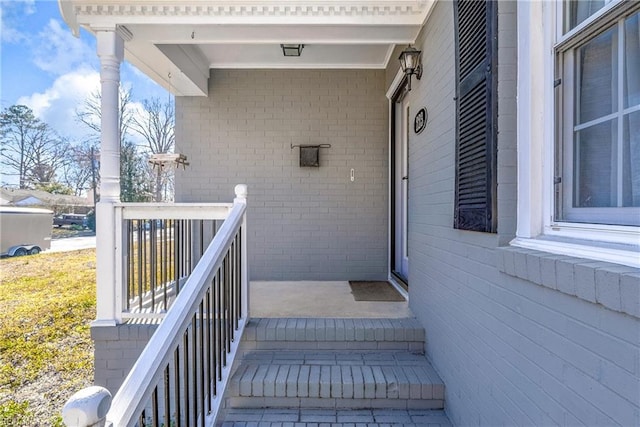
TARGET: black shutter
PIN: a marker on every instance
(476, 114)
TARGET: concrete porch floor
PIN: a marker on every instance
(317, 299)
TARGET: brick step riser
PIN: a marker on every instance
(334, 334)
(330, 403)
(338, 381)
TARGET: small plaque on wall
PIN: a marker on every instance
(420, 121)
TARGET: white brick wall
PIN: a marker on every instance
(305, 223)
(539, 340)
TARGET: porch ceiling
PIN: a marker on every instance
(185, 39)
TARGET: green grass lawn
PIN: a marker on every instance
(47, 302)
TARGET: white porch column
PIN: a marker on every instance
(110, 48)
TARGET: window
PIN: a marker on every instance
(598, 88)
(561, 208)
(476, 115)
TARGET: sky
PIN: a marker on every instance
(43, 66)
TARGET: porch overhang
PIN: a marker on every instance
(176, 43)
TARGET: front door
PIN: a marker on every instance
(400, 185)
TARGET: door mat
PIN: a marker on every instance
(374, 291)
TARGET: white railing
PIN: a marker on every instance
(159, 246)
(180, 377)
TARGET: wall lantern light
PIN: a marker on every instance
(410, 61)
(292, 49)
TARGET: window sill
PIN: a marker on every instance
(614, 286)
(572, 242)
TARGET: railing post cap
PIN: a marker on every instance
(241, 191)
(87, 407)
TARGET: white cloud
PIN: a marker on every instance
(57, 51)
(58, 104)
(11, 13)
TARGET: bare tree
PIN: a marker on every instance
(48, 158)
(155, 124)
(91, 113)
(29, 148)
(132, 186)
(77, 174)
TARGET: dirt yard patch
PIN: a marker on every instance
(47, 302)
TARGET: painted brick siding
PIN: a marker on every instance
(116, 350)
(510, 351)
(304, 223)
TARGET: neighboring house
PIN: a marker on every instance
(59, 203)
(512, 218)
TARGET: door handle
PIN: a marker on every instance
(405, 178)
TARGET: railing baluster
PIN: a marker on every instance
(232, 306)
(219, 327)
(145, 243)
(237, 281)
(154, 407)
(202, 247)
(166, 263)
(140, 260)
(202, 364)
(167, 397)
(186, 268)
(209, 343)
(214, 319)
(129, 268)
(176, 381)
(240, 294)
(161, 264)
(223, 314)
(135, 245)
(187, 248)
(194, 370)
(186, 378)
(176, 255)
(228, 321)
(182, 249)
(152, 262)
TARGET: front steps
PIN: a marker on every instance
(309, 371)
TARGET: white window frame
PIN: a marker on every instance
(536, 132)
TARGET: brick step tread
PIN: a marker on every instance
(340, 375)
(331, 417)
(334, 330)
